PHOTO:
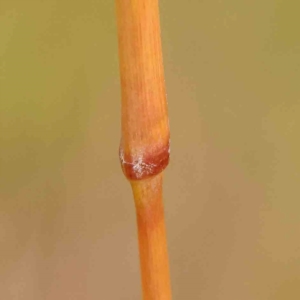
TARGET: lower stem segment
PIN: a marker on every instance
(152, 238)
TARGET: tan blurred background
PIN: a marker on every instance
(67, 223)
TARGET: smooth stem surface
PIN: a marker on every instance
(152, 238)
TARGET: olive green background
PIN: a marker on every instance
(67, 222)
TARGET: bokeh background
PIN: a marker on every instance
(67, 221)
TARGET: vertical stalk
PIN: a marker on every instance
(144, 147)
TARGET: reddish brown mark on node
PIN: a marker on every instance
(144, 166)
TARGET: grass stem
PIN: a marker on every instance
(144, 147)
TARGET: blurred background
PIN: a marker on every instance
(67, 220)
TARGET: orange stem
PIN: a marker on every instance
(152, 238)
(144, 147)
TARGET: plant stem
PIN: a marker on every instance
(152, 238)
(144, 147)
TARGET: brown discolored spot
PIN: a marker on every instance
(145, 165)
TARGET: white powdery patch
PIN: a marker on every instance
(138, 165)
(122, 156)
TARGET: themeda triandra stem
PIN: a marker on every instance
(144, 147)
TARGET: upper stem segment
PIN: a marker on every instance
(144, 148)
